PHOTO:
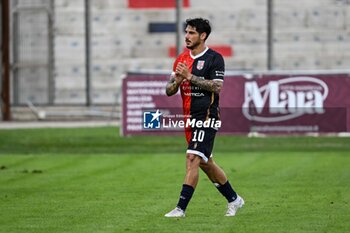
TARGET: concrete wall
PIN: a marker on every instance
(309, 34)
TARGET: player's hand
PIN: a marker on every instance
(182, 70)
(179, 78)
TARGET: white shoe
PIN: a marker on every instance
(232, 207)
(175, 213)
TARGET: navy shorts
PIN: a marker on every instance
(202, 142)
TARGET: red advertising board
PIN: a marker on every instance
(279, 103)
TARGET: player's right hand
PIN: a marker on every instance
(178, 78)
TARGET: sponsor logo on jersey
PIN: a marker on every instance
(219, 73)
(284, 99)
(188, 90)
(195, 94)
(200, 64)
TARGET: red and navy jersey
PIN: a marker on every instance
(198, 103)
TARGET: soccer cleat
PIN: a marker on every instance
(175, 213)
(233, 207)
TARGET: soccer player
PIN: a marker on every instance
(199, 73)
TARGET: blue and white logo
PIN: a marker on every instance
(151, 120)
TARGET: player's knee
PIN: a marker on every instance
(203, 165)
(193, 160)
(191, 157)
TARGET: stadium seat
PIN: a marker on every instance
(162, 27)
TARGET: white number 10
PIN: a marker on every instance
(198, 136)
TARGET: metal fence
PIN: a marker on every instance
(1, 54)
(32, 49)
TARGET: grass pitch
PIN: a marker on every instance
(92, 180)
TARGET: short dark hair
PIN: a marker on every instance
(201, 25)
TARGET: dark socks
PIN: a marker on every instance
(227, 191)
(185, 196)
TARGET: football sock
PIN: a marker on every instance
(185, 196)
(227, 191)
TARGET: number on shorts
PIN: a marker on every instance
(198, 136)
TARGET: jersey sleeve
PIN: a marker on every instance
(217, 70)
(175, 63)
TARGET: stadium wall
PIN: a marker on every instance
(308, 35)
(312, 35)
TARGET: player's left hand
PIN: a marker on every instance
(182, 70)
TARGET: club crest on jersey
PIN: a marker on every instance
(200, 64)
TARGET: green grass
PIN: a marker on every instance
(92, 180)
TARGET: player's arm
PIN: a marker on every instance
(208, 85)
(173, 85)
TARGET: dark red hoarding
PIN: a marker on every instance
(264, 103)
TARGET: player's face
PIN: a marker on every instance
(192, 38)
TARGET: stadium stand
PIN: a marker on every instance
(132, 35)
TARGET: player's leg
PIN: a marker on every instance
(213, 171)
(190, 183)
(192, 169)
(196, 152)
(218, 177)
(191, 180)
